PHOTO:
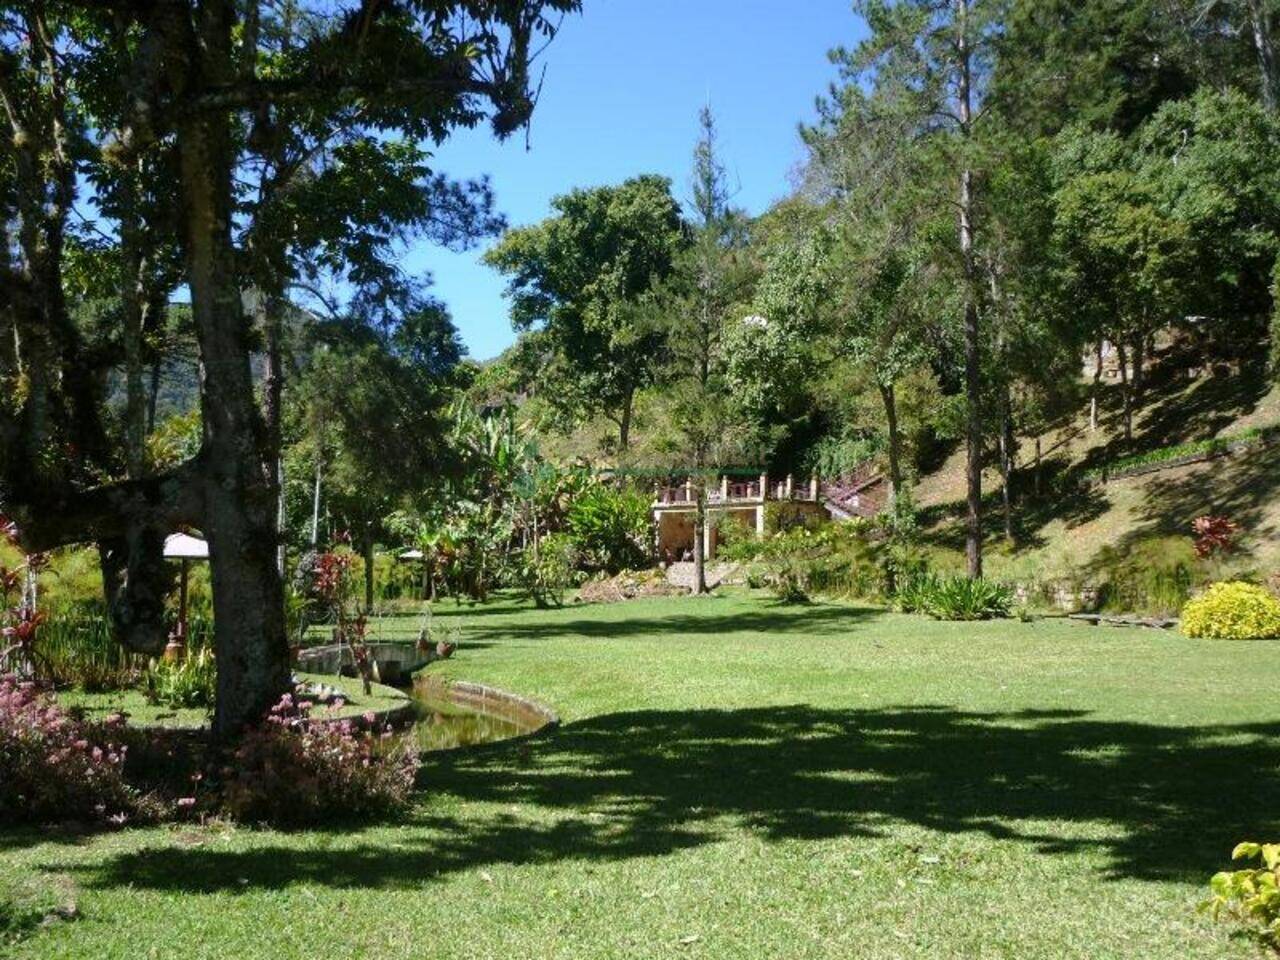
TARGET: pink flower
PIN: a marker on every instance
(186, 802)
(370, 716)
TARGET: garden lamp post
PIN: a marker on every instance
(184, 548)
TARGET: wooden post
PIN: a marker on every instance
(813, 489)
(724, 487)
(790, 487)
(764, 486)
(177, 644)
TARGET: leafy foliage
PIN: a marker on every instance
(1232, 611)
(297, 768)
(191, 681)
(52, 766)
(610, 527)
(549, 568)
(575, 279)
(954, 598)
(1251, 895)
(1214, 535)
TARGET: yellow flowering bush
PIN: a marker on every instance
(1232, 611)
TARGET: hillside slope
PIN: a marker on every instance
(1074, 527)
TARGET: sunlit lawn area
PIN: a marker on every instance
(738, 779)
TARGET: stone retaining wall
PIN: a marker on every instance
(526, 713)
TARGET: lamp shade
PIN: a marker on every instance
(182, 546)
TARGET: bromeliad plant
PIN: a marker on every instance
(20, 619)
(1215, 536)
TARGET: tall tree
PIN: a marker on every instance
(927, 63)
(866, 171)
(694, 309)
(199, 73)
(575, 279)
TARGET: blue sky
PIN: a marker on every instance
(624, 83)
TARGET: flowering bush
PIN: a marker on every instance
(1232, 611)
(50, 765)
(297, 769)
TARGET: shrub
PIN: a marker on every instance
(954, 598)
(189, 682)
(791, 558)
(610, 528)
(295, 769)
(913, 593)
(1214, 535)
(53, 767)
(1232, 611)
(550, 569)
(1251, 895)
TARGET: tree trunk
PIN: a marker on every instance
(972, 340)
(1093, 392)
(368, 569)
(1037, 477)
(1139, 368)
(888, 396)
(1006, 469)
(239, 493)
(1125, 391)
(135, 583)
(153, 394)
(133, 298)
(700, 539)
(1260, 21)
(624, 422)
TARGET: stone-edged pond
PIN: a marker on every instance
(450, 715)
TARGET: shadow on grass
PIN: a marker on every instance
(776, 619)
(1161, 803)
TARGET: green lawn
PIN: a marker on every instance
(736, 779)
(98, 706)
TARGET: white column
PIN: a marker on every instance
(760, 520)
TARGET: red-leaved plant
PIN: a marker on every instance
(54, 767)
(1214, 536)
(331, 576)
(297, 769)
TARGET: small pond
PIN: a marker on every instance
(464, 715)
(442, 725)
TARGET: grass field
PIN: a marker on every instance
(133, 703)
(737, 779)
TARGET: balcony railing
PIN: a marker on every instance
(749, 491)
